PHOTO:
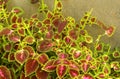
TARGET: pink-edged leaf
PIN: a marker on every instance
(31, 66)
(85, 67)
(61, 70)
(40, 74)
(21, 56)
(74, 65)
(21, 31)
(5, 31)
(22, 76)
(29, 39)
(49, 66)
(30, 50)
(17, 10)
(7, 47)
(14, 38)
(44, 45)
(109, 32)
(4, 73)
(87, 76)
(42, 58)
(73, 73)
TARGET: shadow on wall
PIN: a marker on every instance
(107, 11)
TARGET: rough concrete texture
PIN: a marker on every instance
(107, 11)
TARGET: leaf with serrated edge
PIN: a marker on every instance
(30, 66)
(4, 73)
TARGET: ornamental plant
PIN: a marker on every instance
(55, 47)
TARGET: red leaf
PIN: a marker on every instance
(87, 76)
(29, 39)
(39, 24)
(76, 54)
(17, 10)
(14, 26)
(21, 56)
(85, 67)
(30, 50)
(61, 26)
(46, 21)
(22, 76)
(109, 32)
(31, 66)
(56, 22)
(61, 70)
(5, 31)
(4, 73)
(73, 34)
(101, 75)
(62, 55)
(74, 65)
(49, 66)
(14, 19)
(67, 40)
(43, 58)
(40, 74)
(14, 38)
(99, 47)
(21, 31)
(73, 73)
(49, 14)
(11, 57)
(7, 47)
(49, 35)
(44, 45)
(57, 62)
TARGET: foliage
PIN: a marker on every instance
(54, 48)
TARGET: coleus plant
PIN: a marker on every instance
(54, 48)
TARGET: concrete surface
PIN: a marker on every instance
(107, 11)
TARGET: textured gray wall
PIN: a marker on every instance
(107, 11)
